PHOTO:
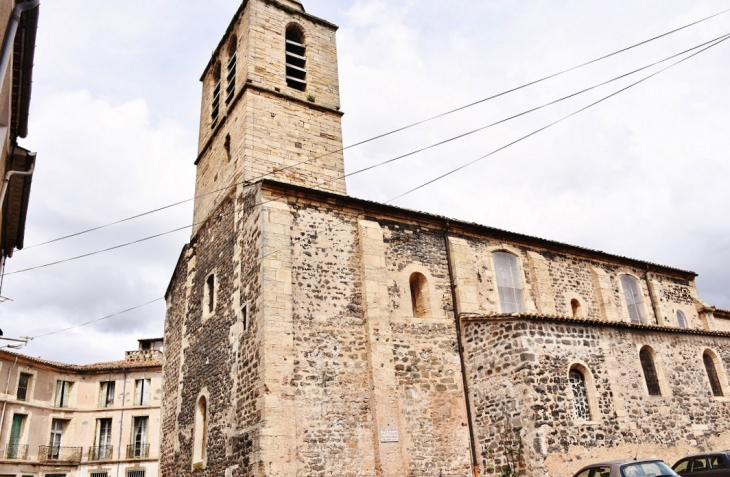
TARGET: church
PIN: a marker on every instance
(310, 333)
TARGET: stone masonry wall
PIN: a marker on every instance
(269, 126)
(216, 355)
(518, 376)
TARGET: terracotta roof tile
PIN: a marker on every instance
(108, 366)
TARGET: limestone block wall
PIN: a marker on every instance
(518, 376)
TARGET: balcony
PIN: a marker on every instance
(101, 452)
(138, 451)
(143, 355)
(70, 455)
(16, 451)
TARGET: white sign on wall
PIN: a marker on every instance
(389, 434)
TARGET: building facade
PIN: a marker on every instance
(99, 420)
(309, 333)
(18, 25)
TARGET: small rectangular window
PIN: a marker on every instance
(136, 473)
(106, 393)
(99, 474)
(23, 386)
(142, 393)
(63, 390)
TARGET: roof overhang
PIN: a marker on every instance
(15, 207)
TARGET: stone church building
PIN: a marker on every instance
(309, 333)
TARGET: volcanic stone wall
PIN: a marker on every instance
(215, 355)
(518, 377)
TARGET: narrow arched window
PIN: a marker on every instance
(650, 374)
(712, 374)
(200, 437)
(580, 395)
(210, 293)
(419, 295)
(296, 58)
(216, 104)
(575, 307)
(231, 68)
(634, 299)
(682, 319)
(509, 283)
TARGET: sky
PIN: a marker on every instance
(115, 111)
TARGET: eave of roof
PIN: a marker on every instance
(93, 368)
(23, 57)
(468, 317)
(453, 225)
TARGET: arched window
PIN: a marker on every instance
(216, 106)
(575, 307)
(419, 295)
(682, 319)
(231, 75)
(209, 298)
(296, 58)
(634, 299)
(650, 375)
(712, 374)
(580, 395)
(509, 282)
(200, 439)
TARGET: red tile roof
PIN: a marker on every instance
(95, 367)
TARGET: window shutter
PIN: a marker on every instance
(138, 392)
(147, 392)
(59, 393)
(66, 390)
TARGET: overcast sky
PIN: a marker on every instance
(115, 110)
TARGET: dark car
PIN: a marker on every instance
(627, 468)
(710, 464)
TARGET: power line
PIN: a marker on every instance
(453, 171)
(432, 146)
(114, 315)
(98, 320)
(389, 133)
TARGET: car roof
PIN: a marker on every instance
(704, 454)
(624, 461)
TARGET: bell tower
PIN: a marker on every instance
(270, 105)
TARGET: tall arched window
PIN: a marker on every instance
(580, 395)
(650, 375)
(296, 58)
(712, 374)
(509, 283)
(200, 436)
(682, 319)
(231, 75)
(419, 295)
(216, 105)
(634, 299)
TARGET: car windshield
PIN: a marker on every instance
(647, 469)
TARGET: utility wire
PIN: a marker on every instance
(453, 171)
(128, 309)
(432, 146)
(381, 136)
(98, 320)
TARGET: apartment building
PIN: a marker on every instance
(97, 420)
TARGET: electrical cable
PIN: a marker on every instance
(30, 338)
(381, 136)
(711, 43)
(453, 171)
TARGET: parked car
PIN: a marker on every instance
(710, 464)
(627, 468)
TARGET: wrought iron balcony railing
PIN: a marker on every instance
(59, 454)
(101, 452)
(138, 451)
(16, 451)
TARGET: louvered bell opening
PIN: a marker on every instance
(296, 60)
(215, 114)
(231, 78)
